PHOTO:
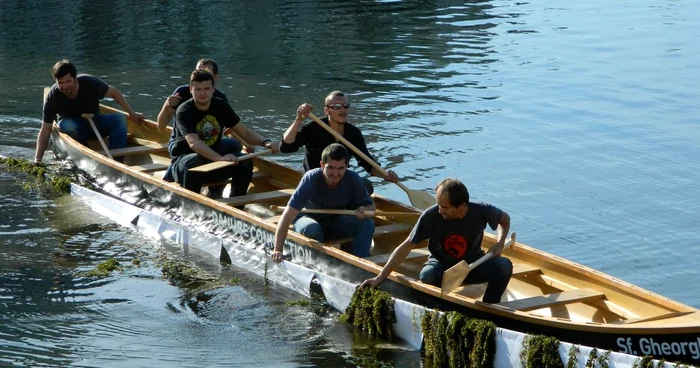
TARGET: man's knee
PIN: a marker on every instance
(69, 126)
(430, 275)
(504, 267)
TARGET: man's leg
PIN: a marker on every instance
(114, 126)
(308, 227)
(183, 176)
(78, 129)
(349, 226)
(497, 272)
(432, 273)
(241, 175)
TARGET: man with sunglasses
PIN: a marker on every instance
(316, 139)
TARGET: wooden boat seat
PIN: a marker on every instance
(138, 150)
(148, 168)
(520, 270)
(418, 253)
(257, 175)
(652, 318)
(551, 300)
(378, 232)
(257, 197)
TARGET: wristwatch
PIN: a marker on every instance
(266, 141)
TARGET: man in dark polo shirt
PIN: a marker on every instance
(73, 95)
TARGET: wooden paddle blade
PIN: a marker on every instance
(420, 199)
(453, 277)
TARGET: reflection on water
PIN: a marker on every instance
(580, 120)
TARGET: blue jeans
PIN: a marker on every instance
(227, 145)
(241, 174)
(112, 125)
(338, 227)
(496, 271)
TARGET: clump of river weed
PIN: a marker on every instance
(51, 180)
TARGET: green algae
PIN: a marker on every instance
(372, 311)
(453, 340)
(540, 352)
(103, 269)
(300, 303)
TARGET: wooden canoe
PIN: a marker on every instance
(547, 295)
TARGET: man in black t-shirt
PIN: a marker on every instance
(73, 95)
(454, 228)
(315, 139)
(181, 94)
(199, 126)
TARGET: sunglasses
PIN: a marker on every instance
(339, 106)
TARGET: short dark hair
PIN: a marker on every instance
(333, 95)
(63, 67)
(456, 191)
(211, 64)
(335, 152)
(201, 75)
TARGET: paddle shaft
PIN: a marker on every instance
(352, 147)
(489, 255)
(348, 212)
(97, 133)
(219, 164)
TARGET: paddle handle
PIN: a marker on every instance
(349, 145)
(489, 255)
(97, 133)
(348, 212)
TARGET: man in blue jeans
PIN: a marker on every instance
(454, 228)
(332, 186)
(74, 95)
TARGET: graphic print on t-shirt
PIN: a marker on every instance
(208, 129)
(455, 244)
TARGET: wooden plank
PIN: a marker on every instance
(147, 168)
(257, 175)
(520, 269)
(274, 219)
(551, 300)
(257, 197)
(138, 150)
(652, 318)
(382, 259)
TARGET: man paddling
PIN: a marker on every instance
(315, 139)
(182, 94)
(454, 228)
(332, 186)
(73, 95)
(200, 124)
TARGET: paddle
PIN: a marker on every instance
(455, 276)
(219, 164)
(349, 212)
(97, 133)
(419, 199)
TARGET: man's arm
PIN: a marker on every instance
(42, 140)
(254, 138)
(167, 112)
(117, 96)
(397, 256)
(502, 231)
(202, 149)
(281, 233)
(290, 135)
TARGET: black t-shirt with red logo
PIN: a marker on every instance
(451, 241)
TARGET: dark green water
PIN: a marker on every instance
(580, 120)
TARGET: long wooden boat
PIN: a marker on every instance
(547, 294)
